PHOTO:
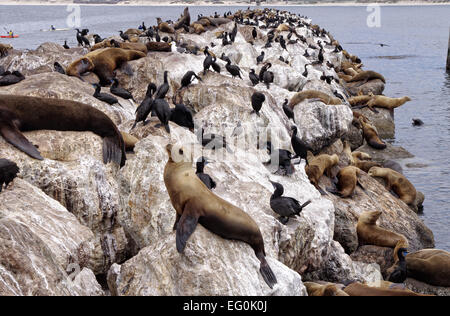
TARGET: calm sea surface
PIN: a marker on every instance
(413, 64)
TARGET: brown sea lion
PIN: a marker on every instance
(366, 76)
(164, 26)
(158, 47)
(313, 94)
(4, 48)
(22, 113)
(365, 165)
(195, 203)
(103, 62)
(129, 140)
(359, 289)
(283, 28)
(359, 100)
(318, 165)
(431, 266)
(397, 182)
(198, 28)
(370, 135)
(344, 77)
(124, 45)
(134, 32)
(184, 20)
(386, 102)
(347, 180)
(371, 234)
(316, 289)
(361, 156)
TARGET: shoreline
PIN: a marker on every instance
(230, 4)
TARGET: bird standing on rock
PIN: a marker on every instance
(260, 58)
(285, 206)
(288, 111)
(187, 78)
(258, 99)
(145, 107)
(253, 77)
(233, 69)
(163, 89)
(163, 112)
(299, 146)
(206, 179)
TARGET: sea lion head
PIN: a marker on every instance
(179, 153)
(374, 171)
(370, 217)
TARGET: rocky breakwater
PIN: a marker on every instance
(121, 219)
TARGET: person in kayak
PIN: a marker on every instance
(52, 28)
(11, 34)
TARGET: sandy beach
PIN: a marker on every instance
(228, 3)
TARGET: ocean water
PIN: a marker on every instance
(413, 64)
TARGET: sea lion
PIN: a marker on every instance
(359, 289)
(129, 140)
(103, 62)
(124, 45)
(370, 135)
(195, 203)
(361, 155)
(386, 102)
(371, 234)
(313, 94)
(329, 289)
(198, 28)
(134, 32)
(8, 171)
(359, 100)
(431, 266)
(397, 182)
(282, 28)
(347, 180)
(159, 47)
(365, 165)
(184, 20)
(366, 76)
(164, 26)
(318, 165)
(4, 48)
(22, 113)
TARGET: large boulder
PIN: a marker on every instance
(39, 241)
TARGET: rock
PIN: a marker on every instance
(423, 288)
(389, 153)
(68, 240)
(209, 265)
(86, 280)
(41, 60)
(383, 256)
(39, 240)
(73, 173)
(375, 86)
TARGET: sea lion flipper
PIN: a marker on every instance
(186, 226)
(267, 274)
(13, 136)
